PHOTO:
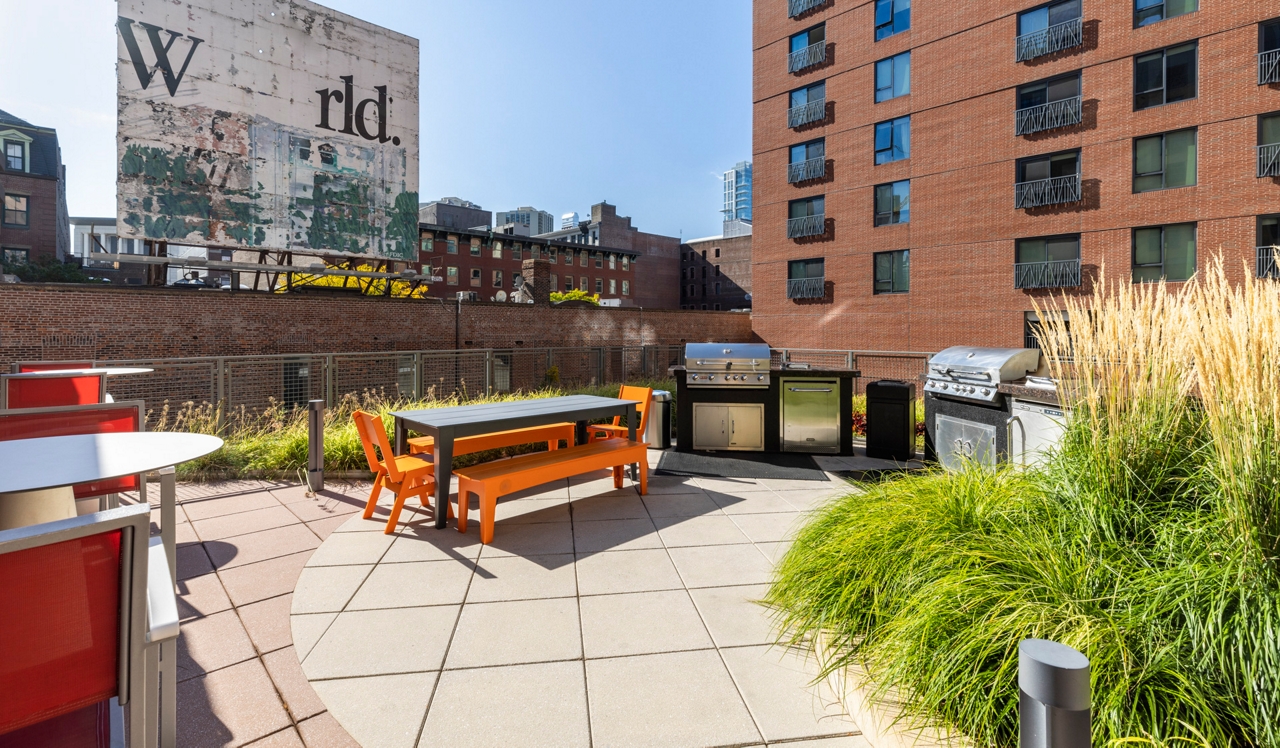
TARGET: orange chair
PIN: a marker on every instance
(618, 429)
(405, 475)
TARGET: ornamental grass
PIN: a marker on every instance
(1148, 540)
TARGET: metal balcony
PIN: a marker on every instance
(803, 171)
(807, 57)
(1269, 160)
(798, 228)
(814, 111)
(1051, 274)
(1267, 263)
(1053, 39)
(807, 288)
(1269, 67)
(796, 7)
(1042, 192)
(1051, 116)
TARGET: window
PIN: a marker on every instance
(517, 253)
(1164, 77)
(1164, 161)
(1047, 262)
(613, 286)
(582, 257)
(495, 250)
(626, 288)
(717, 271)
(582, 283)
(809, 94)
(893, 77)
(475, 247)
(568, 283)
(497, 279)
(475, 277)
(693, 291)
(555, 282)
(715, 307)
(717, 288)
(451, 246)
(1146, 12)
(704, 254)
(1164, 252)
(428, 244)
(1049, 91)
(1049, 167)
(1268, 231)
(805, 39)
(613, 261)
(626, 262)
(893, 140)
(1048, 249)
(1269, 145)
(807, 162)
(892, 16)
(11, 256)
(807, 105)
(893, 203)
(599, 258)
(552, 255)
(451, 276)
(893, 271)
(15, 156)
(1039, 19)
(16, 210)
(808, 208)
(806, 279)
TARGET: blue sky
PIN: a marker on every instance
(554, 103)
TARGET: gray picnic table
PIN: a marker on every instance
(447, 424)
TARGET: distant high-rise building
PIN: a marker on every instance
(568, 221)
(538, 221)
(737, 192)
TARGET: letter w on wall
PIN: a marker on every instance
(146, 73)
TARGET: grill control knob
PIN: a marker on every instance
(711, 377)
(759, 377)
(944, 386)
(694, 377)
(986, 391)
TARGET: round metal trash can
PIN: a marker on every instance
(657, 433)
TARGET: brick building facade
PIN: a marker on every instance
(924, 172)
(715, 273)
(34, 223)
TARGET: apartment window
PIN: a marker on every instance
(626, 262)
(807, 217)
(806, 279)
(626, 288)
(1048, 104)
(496, 250)
(568, 283)
(1049, 167)
(451, 276)
(552, 255)
(1165, 76)
(717, 271)
(693, 291)
(1049, 249)
(517, 253)
(1269, 145)
(807, 105)
(716, 251)
(704, 273)
(715, 307)
(582, 257)
(475, 277)
(497, 279)
(704, 254)
(11, 256)
(805, 39)
(16, 210)
(1164, 161)
(893, 140)
(893, 203)
(807, 162)
(599, 285)
(893, 77)
(582, 283)
(893, 271)
(555, 282)
(613, 261)
(1269, 231)
(1269, 53)
(451, 246)
(717, 288)
(1147, 12)
(1164, 252)
(475, 247)
(892, 17)
(1046, 16)
(15, 156)
(1047, 262)
(613, 286)
(428, 244)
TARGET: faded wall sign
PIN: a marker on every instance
(273, 124)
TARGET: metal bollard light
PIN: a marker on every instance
(1053, 696)
(315, 445)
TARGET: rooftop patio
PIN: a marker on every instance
(596, 617)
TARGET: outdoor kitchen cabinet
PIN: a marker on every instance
(810, 415)
(728, 426)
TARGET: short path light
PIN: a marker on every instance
(1053, 696)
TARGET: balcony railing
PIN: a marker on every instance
(814, 111)
(1267, 262)
(1051, 116)
(1269, 160)
(806, 288)
(807, 57)
(1051, 274)
(796, 7)
(803, 171)
(1047, 192)
(798, 228)
(1269, 67)
(1053, 39)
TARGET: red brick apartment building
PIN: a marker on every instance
(33, 200)
(924, 170)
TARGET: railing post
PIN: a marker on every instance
(417, 376)
(328, 380)
(1053, 696)
(315, 445)
(488, 371)
(220, 403)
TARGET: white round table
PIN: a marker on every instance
(54, 461)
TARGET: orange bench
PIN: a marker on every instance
(491, 480)
(551, 434)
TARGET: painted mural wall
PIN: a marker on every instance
(266, 124)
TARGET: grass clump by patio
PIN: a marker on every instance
(1149, 541)
(273, 442)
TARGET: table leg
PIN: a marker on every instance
(580, 433)
(444, 476)
(401, 444)
(168, 517)
(169, 694)
(633, 420)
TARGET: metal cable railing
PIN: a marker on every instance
(1055, 114)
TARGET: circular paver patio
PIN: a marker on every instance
(597, 617)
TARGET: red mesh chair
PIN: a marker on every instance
(23, 367)
(51, 390)
(101, 418)
(76, 621)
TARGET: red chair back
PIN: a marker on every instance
(60, 633)
(23, 367)
(103, 418)
(18, 391)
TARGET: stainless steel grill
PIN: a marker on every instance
(744, 365)
(971, 373)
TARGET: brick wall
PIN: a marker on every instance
(40, 236)
(963, 223)
(723, 260)
(111, 323)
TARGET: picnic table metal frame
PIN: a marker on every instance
(448, 424)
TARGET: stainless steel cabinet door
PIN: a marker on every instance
(810, 415)
(746, 427)
(710, 426)
(959, 441)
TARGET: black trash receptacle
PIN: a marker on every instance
(891, 420)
